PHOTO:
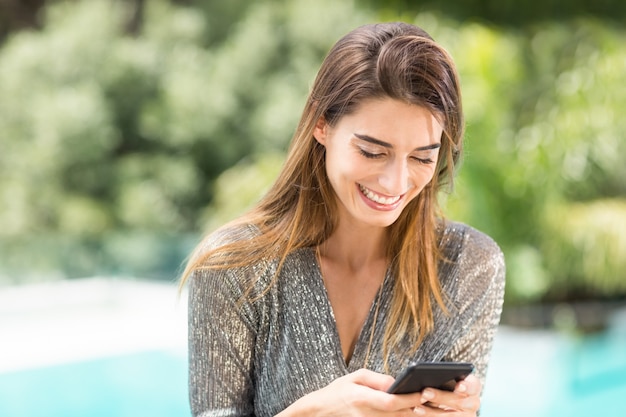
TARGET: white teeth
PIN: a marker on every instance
(378, 199)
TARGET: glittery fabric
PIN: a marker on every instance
(257, 358)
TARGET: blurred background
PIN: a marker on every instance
(128, 129)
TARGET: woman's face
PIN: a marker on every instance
(379, 158)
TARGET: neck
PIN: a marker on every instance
(355, 248)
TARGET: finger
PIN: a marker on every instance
(470, 386)
(436, 405)
(429, 409)
(451, 400)
(435, 398)
(371, 379)
(396, 402)
(371, 393)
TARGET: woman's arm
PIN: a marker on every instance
(221, 346)
(480, 273)
(476, 344)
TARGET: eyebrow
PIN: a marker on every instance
(384, 144)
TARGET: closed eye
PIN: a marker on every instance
(370, 155)
(424, 161)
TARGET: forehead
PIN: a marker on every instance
(393, 121)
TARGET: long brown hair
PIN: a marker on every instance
(395, 60)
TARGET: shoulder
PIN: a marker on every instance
(220, 267)
(470, 255)
(229, 234)
(216, 245)
(217, 255)
(458, 239)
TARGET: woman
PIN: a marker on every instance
(344, 273)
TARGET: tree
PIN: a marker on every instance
(127, 132)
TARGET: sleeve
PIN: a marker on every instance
(485, 275)
(222, 335)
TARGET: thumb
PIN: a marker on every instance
(371, 379)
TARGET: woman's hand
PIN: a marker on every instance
(361, 393)
(464, 401)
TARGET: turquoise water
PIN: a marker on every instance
(538, 374)
(546, 374)
(144, 384)
(594, 369)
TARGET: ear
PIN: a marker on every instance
(321, 131)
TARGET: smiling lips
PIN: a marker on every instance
(377, 198)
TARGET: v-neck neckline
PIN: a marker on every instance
(359, 354)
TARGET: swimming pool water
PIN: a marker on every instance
(142, 384)
(593, 370)
(547, 374)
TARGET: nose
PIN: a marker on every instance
(395, 178)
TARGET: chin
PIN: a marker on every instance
(382, 223)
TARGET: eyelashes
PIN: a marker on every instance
(425, 161)
(370, 155)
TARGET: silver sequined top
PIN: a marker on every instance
(255, 359)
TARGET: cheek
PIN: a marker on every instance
(337, 172)
(431, 175)
(424, 175)
(343, 165)
(421, 180)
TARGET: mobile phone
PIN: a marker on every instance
(440, 375)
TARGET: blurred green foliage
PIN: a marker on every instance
(118, 149)
(105, 131)
(508, 13)
(544, 137)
